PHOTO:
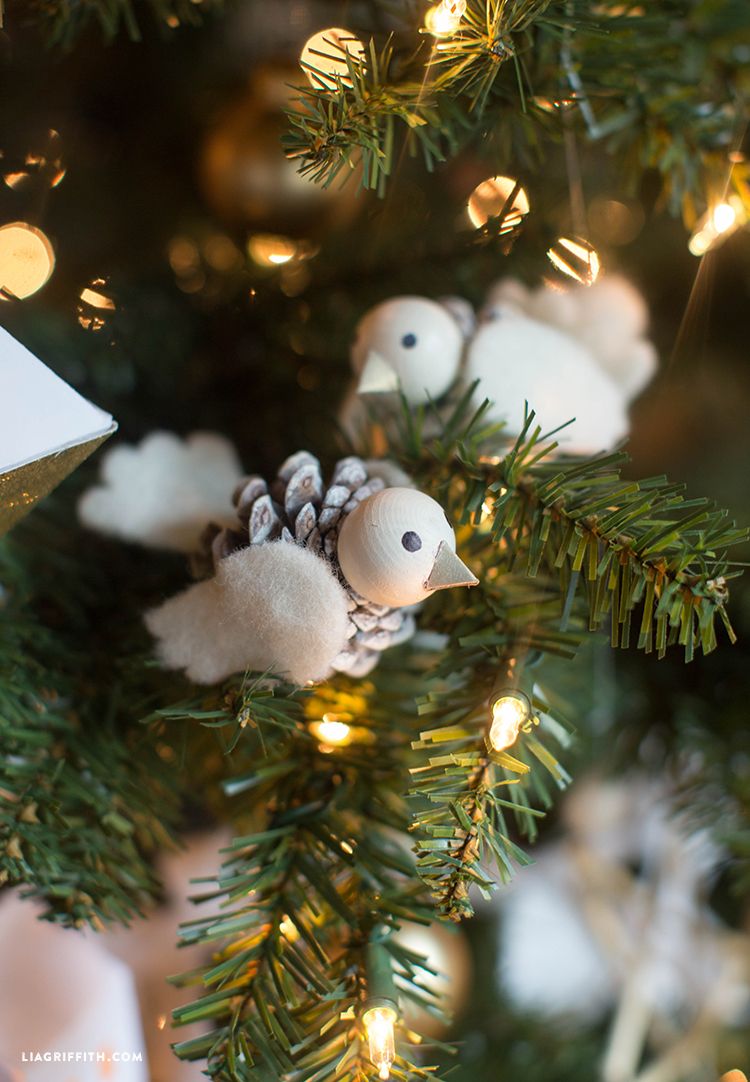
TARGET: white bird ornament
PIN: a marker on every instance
(307, 580)
(576, 355)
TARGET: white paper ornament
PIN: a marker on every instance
(407, 344)
(398, 547)
(46, 430)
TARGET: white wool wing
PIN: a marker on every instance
(519, 360)
(165, 490)
(610, 319)
(613, 323)
(275, 607)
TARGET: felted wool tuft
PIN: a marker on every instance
(275, 606)
(610, 318)
(162, 492)
(518, 359)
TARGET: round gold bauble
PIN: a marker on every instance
(246, 177)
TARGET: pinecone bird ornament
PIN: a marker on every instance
(299, 509)
(307, 580)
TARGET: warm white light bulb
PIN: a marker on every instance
(379, 1023)
(509, 713)
(443, 19)
(330, 730)
(723, 217)
(716, 225)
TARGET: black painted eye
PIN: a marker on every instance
(409, 341)
(411, 541)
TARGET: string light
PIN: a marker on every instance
(511, 712)
(288, 929)
(325, 58)
(381, 1009)
(444, 19)
(499, 204)
(274, 250)
(575, 258)
(379, 1023)
(27, 260)
(716, 225)
(331, 731)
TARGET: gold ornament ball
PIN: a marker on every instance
(247, 179)
(499, 205)
(324, 58)
(27, 260)
(575, 258)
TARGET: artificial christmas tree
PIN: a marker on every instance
(383, 790)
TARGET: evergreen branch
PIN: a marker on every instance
(300, 898)
(354, 123)
(465, 790)
(627, 546)
(546, 532)
(84, 801)
(636, 80)
(469, 61)
(63, 21)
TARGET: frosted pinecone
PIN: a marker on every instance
(298, 509)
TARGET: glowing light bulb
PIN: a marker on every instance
(331, 732)
(324, 58)
(379, 1023)
(575, 258)
(288, 929)
(443, 19)
(273, 250)
(717, 225)
(510, 712)
(723, 217)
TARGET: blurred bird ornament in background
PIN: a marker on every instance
(584, 935)
(581, 353)
(309, 578)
